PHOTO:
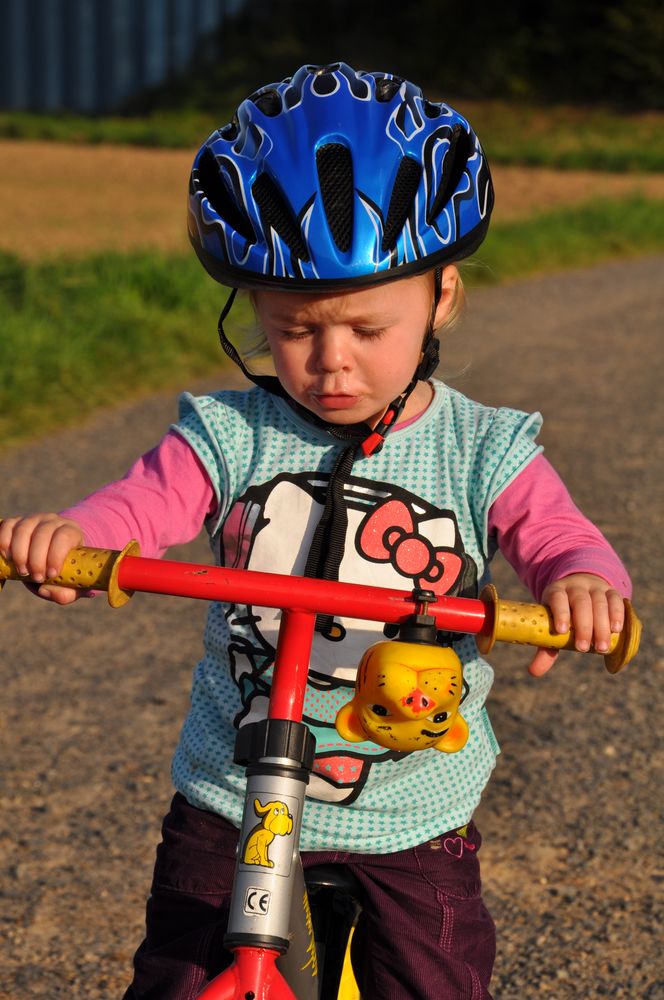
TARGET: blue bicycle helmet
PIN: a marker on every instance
(337, 178)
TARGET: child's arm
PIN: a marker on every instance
(562, 557)
(162, 501)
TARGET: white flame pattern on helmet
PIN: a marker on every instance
(406, 127)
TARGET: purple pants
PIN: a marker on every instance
(424, 933)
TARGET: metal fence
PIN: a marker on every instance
(91, 55)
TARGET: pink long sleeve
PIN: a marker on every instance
(162, 501)
(544, 536)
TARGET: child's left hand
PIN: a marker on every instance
(590, 606)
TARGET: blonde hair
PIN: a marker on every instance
(256, 347)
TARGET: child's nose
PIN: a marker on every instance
(331, 351)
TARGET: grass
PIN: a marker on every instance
(577, 236)
(175, 130)
(87, 334)
(568, 138)
(560, 136)
(99, 331)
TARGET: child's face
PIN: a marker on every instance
(346, 355)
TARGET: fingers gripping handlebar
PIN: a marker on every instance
(121, 573)
(85, 569)
(532, 624)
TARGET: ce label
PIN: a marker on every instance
(257, 901)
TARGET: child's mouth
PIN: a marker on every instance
(330, 401)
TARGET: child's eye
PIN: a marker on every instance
(369, 333)
(295, 334)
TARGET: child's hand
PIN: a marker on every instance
(37, 545)
(590, 606)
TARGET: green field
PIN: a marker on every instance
(559, 136)
(98, 331)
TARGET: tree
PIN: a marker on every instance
(579, 51)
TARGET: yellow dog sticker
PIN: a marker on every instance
(276, 821)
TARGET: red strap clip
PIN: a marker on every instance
(372, 444)
(376, 440)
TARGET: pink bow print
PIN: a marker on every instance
(389, 535)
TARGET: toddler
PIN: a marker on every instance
(342, 201)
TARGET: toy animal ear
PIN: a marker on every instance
(455, 738)
(348, 725)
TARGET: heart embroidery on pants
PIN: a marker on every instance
(454, 846)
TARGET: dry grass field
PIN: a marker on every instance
(56, 198)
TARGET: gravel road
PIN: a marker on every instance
(94, 698)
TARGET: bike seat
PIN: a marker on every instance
(333, 876)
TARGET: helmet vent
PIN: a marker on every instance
(275, 212)
(324, 83)
(454, 165)
(335, 175)
(268, 102)
(401, 202)
(211, 184)
(230, 131)
(387, 87)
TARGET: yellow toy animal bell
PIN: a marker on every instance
(408, 692)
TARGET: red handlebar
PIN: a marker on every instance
(274, 590)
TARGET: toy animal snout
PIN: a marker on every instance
(417, 701)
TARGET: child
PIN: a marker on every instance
(341, 200)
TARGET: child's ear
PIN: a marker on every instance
(448, 292)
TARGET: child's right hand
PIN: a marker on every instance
(37, 545)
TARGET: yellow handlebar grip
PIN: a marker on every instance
(532, 624)
(85, 569)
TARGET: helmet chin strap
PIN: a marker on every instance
(327, 546)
